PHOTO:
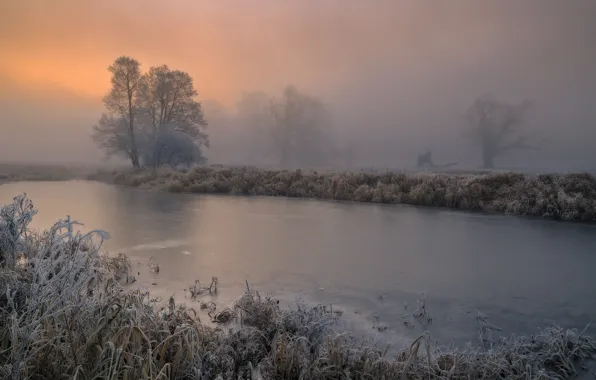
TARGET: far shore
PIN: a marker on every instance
(563, 197)
(16, 172)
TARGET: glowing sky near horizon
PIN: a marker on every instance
(242, 45)
(384, 55)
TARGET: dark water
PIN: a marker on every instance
(364, 259)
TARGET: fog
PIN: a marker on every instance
(397, 77)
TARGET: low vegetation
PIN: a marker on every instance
(30, 172)
(66, 312)
(568, 197)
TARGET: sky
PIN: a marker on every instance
(398, 75)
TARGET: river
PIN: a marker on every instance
(364, 259)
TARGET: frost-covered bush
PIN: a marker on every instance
(173, 148)
(570, 197)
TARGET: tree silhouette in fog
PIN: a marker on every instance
(167, 98)
(496, 127)
(149, 114)
(115, 132)
(295, 124)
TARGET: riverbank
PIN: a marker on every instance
(15, 172)
(68, 310)
(565, 197)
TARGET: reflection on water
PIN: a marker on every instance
(368, 259)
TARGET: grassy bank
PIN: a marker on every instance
(66, 313)
(569, 197)
(31, 172)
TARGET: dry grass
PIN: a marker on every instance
(64, 314)
(568, 197)
(32, 172)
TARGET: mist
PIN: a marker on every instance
(397, 77)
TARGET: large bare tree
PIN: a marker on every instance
(496, 127)
(168, 98)
(121, 102)
(292, 129)
(299, 128)
(143, 111)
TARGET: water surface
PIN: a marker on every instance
(365, 259)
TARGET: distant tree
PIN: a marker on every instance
(299, 128)
(121, 102)
(294, 127)
(168, 99)
(495, 126)
(174, 148)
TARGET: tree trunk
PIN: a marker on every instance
(284, 156)
(134, 154)
(131, 123)
(135, 162)
(488, 157)
(157, 157)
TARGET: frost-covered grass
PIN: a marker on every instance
(65, 313)
(569, 197)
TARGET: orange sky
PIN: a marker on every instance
(232, 46)
(227, 46)
(382, 63)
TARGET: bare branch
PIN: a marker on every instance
(121, 102)
(168, 97)
(111, 135)
(492, 124)
(519, 144)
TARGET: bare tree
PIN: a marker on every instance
(299, 127)
(122, 103)
(112, 135)
(168, 98)
(495, 126)
(293, 128)
(142, 108)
